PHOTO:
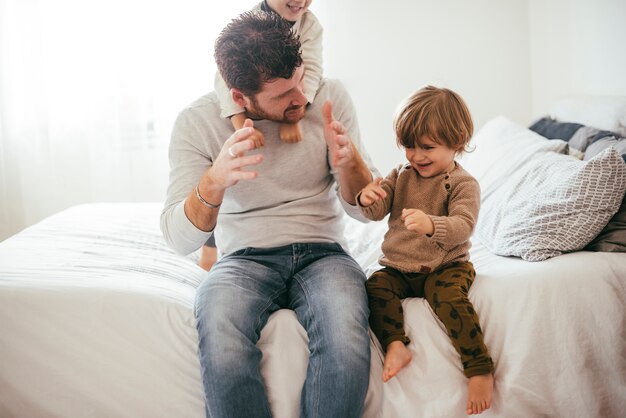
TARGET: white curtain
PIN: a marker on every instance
(89, 91)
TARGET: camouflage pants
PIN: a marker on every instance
(446, 291)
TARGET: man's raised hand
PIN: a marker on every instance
(338, 141)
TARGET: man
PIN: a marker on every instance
(280, 224)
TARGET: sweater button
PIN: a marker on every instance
(447, 186)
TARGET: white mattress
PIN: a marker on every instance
(97, 320)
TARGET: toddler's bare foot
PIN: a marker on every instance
(208, 257)
(290, 132)
(479, 391)
(258, 138)
(396, 358)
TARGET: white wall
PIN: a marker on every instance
(578, 47)
(385, 50)
(510, 57)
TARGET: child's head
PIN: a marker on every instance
(290, 10)
(433, 126)
(436, 113)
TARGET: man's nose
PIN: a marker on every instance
(300, 99)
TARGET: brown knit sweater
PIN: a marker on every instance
(452, 201)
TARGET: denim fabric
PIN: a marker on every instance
(326, 289)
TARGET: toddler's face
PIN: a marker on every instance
(429, 158)
(290, 10)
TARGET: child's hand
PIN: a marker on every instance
(418, 221)
(372, 193)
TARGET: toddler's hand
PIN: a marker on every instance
(418, 221)
(372, 193)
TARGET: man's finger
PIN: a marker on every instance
(247, 160)
(327, 111)
(381, 193)
(241, 134)
(238, 148)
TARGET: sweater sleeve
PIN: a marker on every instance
(463, 207)
(187, 164)
(311, 33)
(379, 209)
(228, 107)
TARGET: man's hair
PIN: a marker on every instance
(438, 113)
(256, 47)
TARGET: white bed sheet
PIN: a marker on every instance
(97, 321)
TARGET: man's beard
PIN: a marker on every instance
(292, 114)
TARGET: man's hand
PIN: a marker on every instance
(341, 150)
(371, 193)
(418, 221)
(227, 167)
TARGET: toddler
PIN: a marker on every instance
(433, 205)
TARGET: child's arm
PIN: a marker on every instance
(311, 33)
(463, 207)
(376, 198)
(229, 109)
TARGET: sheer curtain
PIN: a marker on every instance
(89, 91)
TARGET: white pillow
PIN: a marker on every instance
(501, 148)
(554, 204)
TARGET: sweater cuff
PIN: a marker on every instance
(354, 212)
(187, 238)
(366, 211)
(441, 229)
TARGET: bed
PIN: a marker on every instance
(96, 311)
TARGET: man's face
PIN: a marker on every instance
(280, 100)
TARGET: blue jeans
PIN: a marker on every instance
(326, 289)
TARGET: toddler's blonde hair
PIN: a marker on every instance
(437, 113)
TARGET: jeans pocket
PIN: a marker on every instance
(243, 251)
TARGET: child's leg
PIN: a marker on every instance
(257, 136)
(290, 132)
(446, 290)
(208, 257)
(385, 290)
(208, 254)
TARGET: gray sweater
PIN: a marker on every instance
(295, 197)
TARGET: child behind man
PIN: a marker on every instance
(433, 205)
(305, 24)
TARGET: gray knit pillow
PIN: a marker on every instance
(553, 205)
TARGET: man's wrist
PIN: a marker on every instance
(204, 202)
(210, 190)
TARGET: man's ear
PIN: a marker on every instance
(239, 98)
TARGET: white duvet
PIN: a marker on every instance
(96, 320)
